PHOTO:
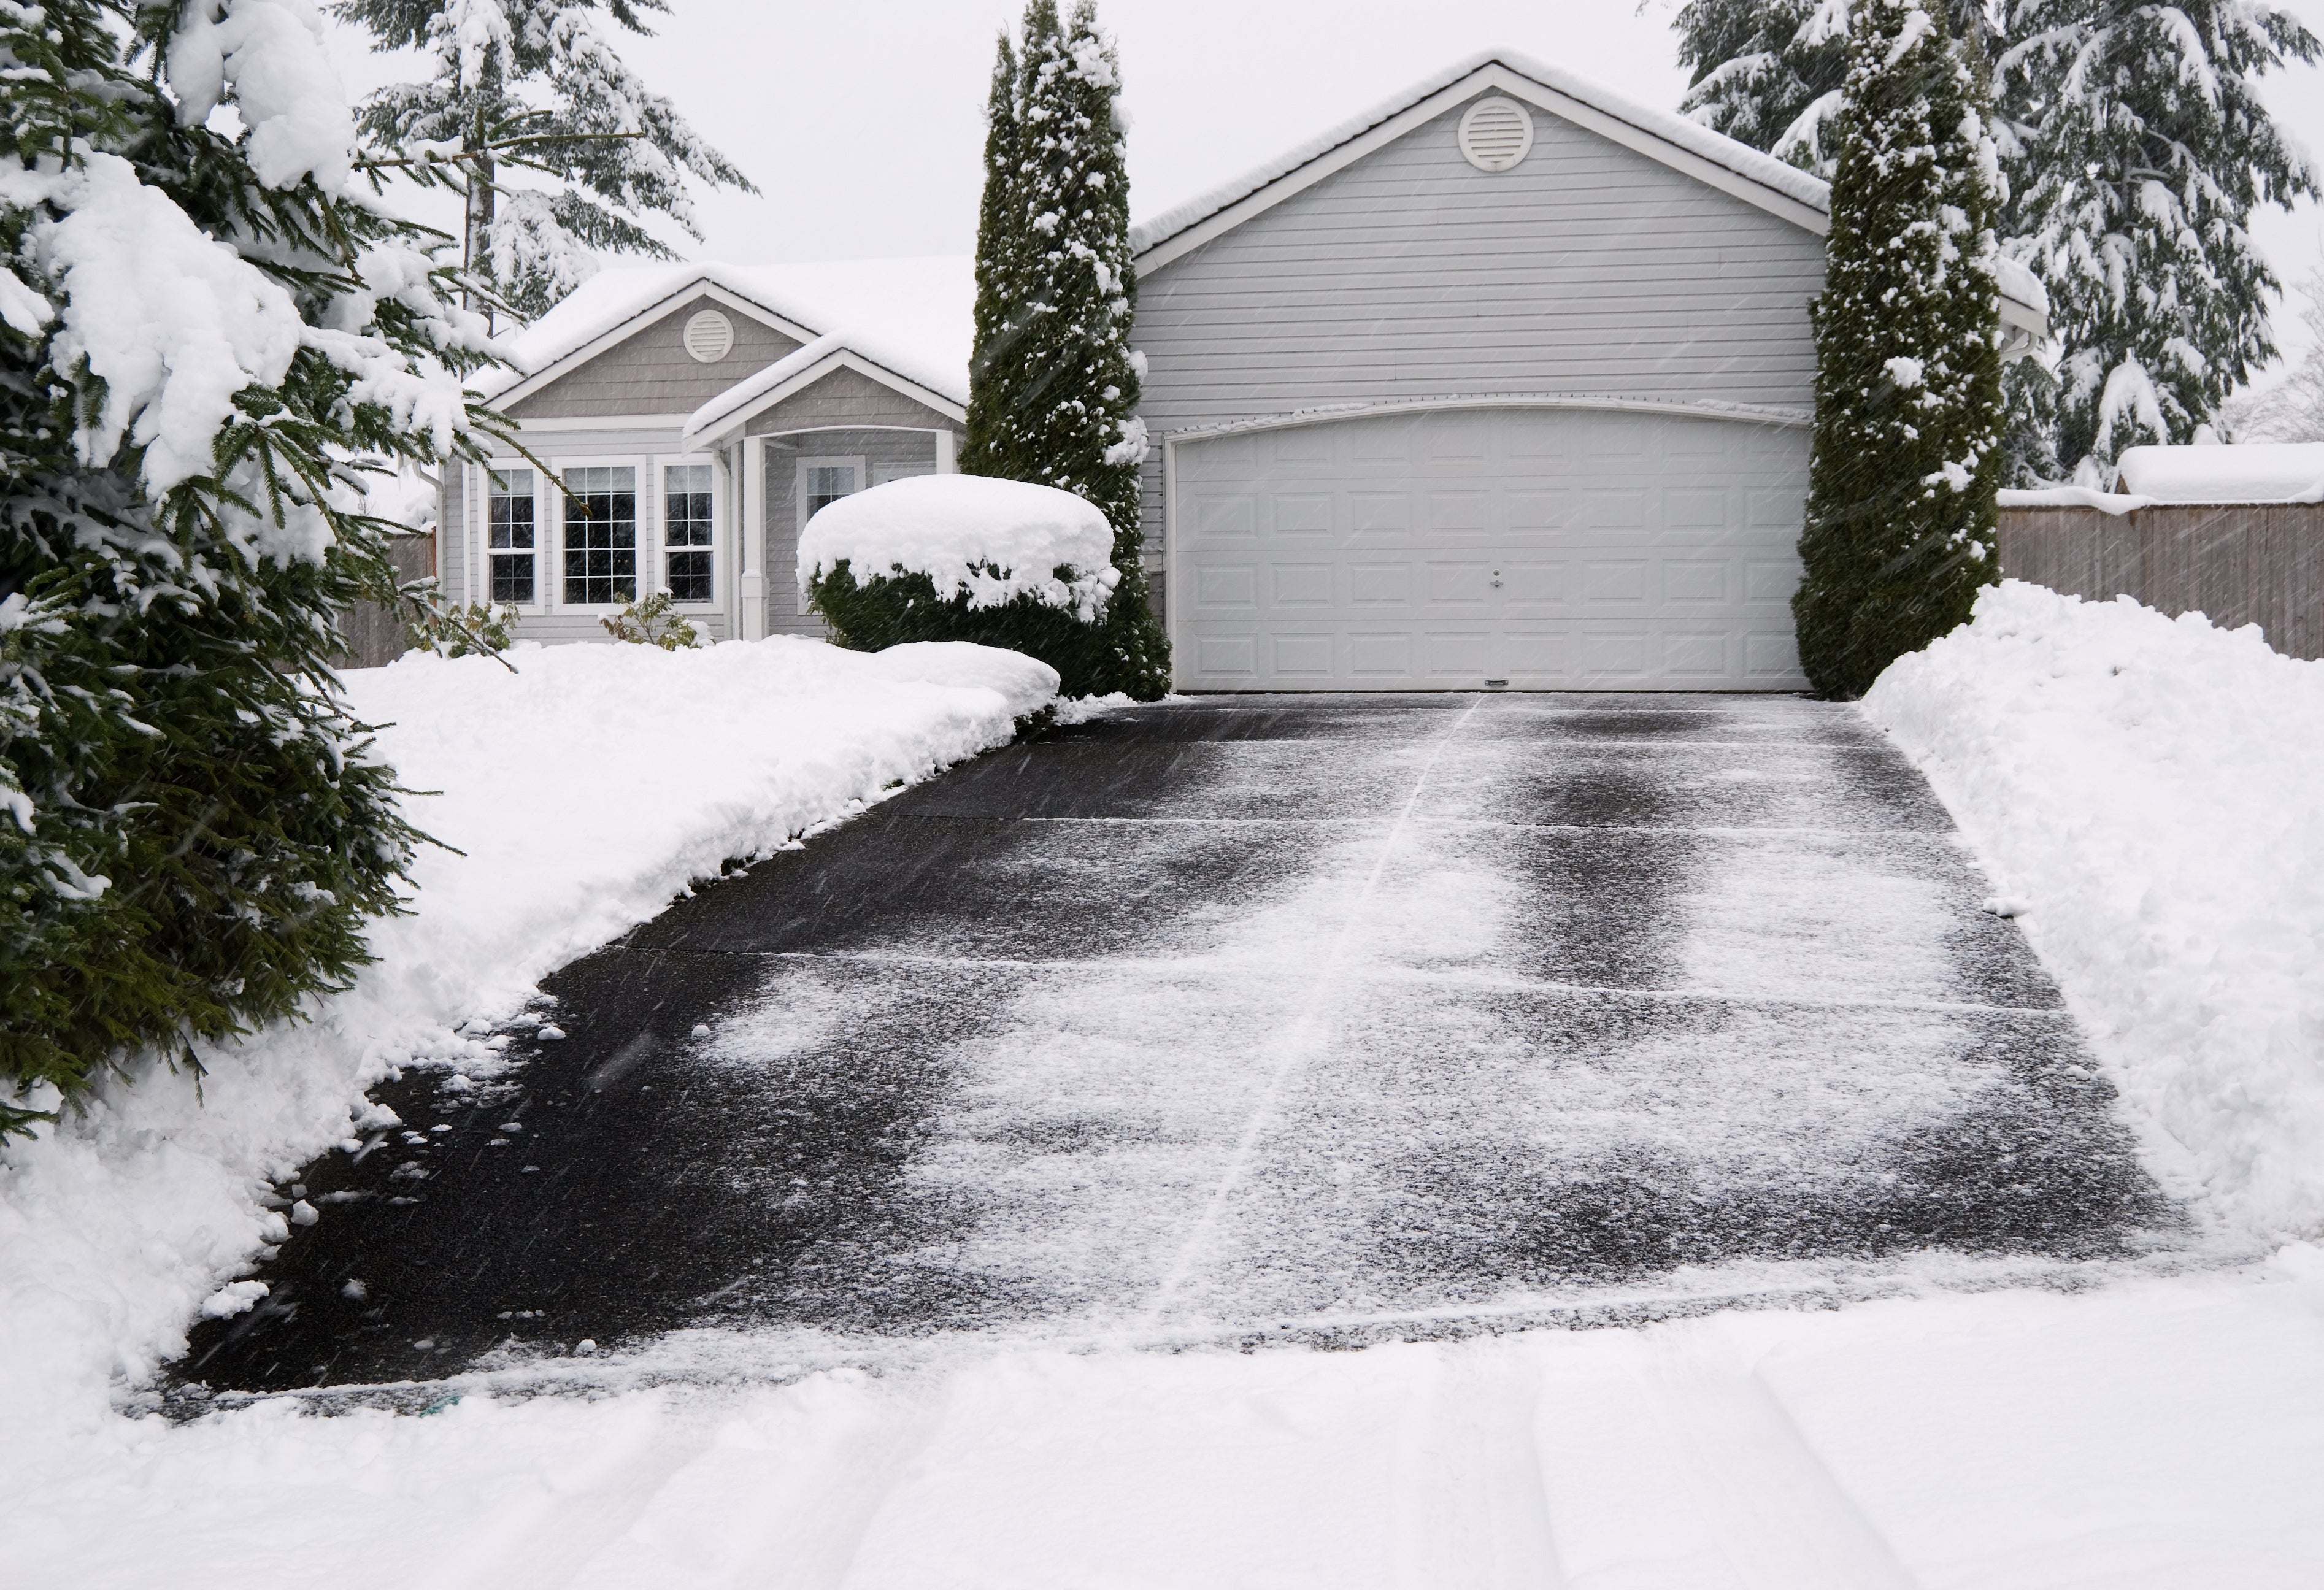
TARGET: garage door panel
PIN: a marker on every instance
(1553, 548)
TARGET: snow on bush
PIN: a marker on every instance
(586, 789)
(2148, 794)
(992, 540)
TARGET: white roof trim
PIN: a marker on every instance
(1709, 157)
(1676, 408)
(726, 415)
(677, 298)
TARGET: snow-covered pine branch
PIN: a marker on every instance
(2147, 148)
(212, 350)
(535, 87)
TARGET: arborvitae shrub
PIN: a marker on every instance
(1900, 516)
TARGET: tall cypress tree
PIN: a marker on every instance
(1899, 533)
(1053, 382)
(2147, 148)
(992, 394)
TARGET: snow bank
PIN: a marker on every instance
(2148, 794)
(2242, 471)
(994, 539)
(586, 789)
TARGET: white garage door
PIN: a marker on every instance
(1544, 548)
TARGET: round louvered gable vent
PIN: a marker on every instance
(710, 336)
(1496, 134)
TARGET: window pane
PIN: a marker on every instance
(513, 579)
(689, 576)
(601, 535)
(508, 519)
(686, 505)
(826, 483)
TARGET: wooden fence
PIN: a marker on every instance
(2236, 563)
(375, 636)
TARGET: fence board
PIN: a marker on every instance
(2236, 563)
(375, 636)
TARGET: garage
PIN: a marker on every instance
(1626, 546)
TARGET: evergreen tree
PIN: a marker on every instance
(1054, 383)
(532, 85)
(208, 345)
(1768, 73)
(1899, 532)
(2146, 150)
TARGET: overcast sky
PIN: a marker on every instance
(861, 124)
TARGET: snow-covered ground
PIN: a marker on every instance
(2143, 792)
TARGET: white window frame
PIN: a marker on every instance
(859, 464)
(649, 529)
(718, 518)
(481, 586)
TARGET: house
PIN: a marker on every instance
(1504, 382)
(675, 404)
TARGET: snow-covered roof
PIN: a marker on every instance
(1664, 134)
(914, 316)
(2240, 472)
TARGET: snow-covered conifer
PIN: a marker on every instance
(1054, 383)
(534, 86)
(2146, 149)
(1899, 532)
(205, 339)
(1768, 72)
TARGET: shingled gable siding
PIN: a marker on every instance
(1587, 269)
(845, 397)
(649, 371)
(887, 453)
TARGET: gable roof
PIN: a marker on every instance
(725, 416)
(1713, 158)
(911, 318)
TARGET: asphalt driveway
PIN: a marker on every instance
(1289, 1017)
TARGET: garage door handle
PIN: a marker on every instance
(1497, 579)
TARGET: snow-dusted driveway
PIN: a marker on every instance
(1297, 1018)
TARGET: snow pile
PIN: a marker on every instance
(2148, 794)
(2242, 471)
(586, 789)
(994, 539)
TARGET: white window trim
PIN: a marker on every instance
(718, 528)
(480, 588)
(859, 463)
(649, 532)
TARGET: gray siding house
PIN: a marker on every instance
(675, 406)
(1504, 382)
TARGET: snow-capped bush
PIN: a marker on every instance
(966, 557)
(992, 541)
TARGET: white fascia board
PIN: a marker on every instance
(638, 422)
(1676, 408)
(1516, 85)
(686, 292)
(732, 425)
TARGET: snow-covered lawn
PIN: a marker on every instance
(586, 789)
(2144, 791)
